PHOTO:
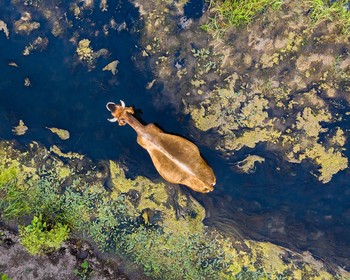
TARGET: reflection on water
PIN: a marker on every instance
(280, 202)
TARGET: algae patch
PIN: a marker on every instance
(247, 165)
(84, 50)
(56, 150)
(3, 27)
(61, 133)
(112, 66)
(20, 129)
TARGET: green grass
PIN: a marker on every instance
(228, 13)
(39, 237)
(324, 10)
(13, 197)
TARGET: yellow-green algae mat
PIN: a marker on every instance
(169, 246)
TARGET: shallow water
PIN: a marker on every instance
(280, 202)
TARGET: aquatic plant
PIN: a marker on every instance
(84, 51)
(3, 27)
(61, 133)
(41, 237)
(173, 255)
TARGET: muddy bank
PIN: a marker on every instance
(66, 263)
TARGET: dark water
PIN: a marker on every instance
(281, 202)
(194, 9)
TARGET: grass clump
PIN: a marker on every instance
(228, 13)
(14, 201)
(4, 276)
(39, 237)
(334, 11)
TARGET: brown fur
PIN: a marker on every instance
(176, 159)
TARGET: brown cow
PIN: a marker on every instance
(176, 159)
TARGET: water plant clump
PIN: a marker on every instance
(40, 237)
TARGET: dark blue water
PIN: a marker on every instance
(281, 202)
(194, 9)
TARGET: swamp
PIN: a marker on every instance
(262, 88)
